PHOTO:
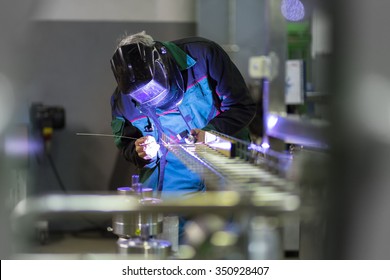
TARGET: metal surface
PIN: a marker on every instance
(127, 225)
(259, 190)
(104, 204)
(136, 224)
(186, 154)
(131, 228)
(252, 171)
(265, 201)
(298, 130)
(148, 249)
(241, 166)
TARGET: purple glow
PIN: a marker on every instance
(124, 189)
(265, 145)
(221, 145)
(293, 10)
(16, 147)
(148, 92)
(271, 121)
(260, 148)
(214, 141)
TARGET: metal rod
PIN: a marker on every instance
(104, 135)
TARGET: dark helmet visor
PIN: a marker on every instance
(141, 73)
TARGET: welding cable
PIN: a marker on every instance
(65, 190)
(55, 171)
(163, 161)
(181, 114)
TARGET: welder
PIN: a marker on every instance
(178, 89)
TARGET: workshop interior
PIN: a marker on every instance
(311, 184)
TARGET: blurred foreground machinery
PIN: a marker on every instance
(240, 216)
(25, 143)
(138, 231)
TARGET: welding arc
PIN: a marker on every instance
(103, 135)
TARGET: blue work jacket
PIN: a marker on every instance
(216, 98)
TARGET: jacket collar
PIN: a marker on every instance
(183, 60)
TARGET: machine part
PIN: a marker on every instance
(146, 193)
(105, 204)
(134, 179)
(42, 231)
(129, 225)
(222, 202)
(150, 249)
(125, 191)
(133, 227)
(137, 190)
(135, 184)
(188, 138)
(226, 162)
(220, 143)
(185, 153)
(42, 116)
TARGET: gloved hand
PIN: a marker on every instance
(146, 147)
(198, 134)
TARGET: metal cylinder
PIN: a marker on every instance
(146, 192)
(125, 191)
(139, 223)
(150, 249)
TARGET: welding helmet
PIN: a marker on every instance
(148, 75)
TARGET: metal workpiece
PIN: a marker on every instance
(227, 163)
(82, 256)
(138, 224)
(137, 188)
(185, 153)
(147, 249)
(126, 191)
(311, 133)
(240, 181)
(137, 230)
(132, 224)
(106, 204)
(254, 180)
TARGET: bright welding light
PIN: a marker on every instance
(216, 142)
(271, 121)
(293, 10)
(265, 145)
(221, 145)
(151, 147)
